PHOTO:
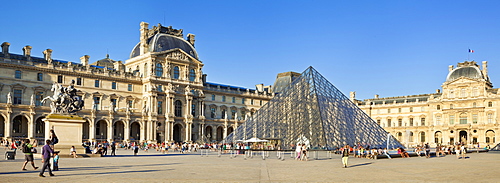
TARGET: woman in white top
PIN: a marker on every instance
(73, 152)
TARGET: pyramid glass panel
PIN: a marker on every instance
(313, 111)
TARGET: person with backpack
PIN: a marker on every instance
(53, 138)
(28, 154)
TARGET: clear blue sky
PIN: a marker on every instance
(390, 48)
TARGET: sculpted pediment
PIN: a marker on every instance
(463, 80)
(180, 55)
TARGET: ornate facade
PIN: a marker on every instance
(159, 94)
(466, 110)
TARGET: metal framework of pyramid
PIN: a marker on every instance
(313, 111)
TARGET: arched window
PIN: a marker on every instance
(399, 135)
(178, 108)
(192, 75)
(410, 137)
(176, 72)
(159, 70)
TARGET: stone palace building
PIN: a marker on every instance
(159, 94)
(466, 110)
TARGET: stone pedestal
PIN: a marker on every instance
(69, 129)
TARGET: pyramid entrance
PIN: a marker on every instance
(313, 111)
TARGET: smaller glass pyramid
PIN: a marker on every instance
(314, 112)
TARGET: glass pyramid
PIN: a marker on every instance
(313, 111)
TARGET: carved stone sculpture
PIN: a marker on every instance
(65, 100)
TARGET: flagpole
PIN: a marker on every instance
(468, 54)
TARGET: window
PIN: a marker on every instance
(410, 136)
(451, 106)
(113, 102)
(438, 107)
(251, 102)
(474, 92)
(422, 109)
(212, 113)
(59, 79)
(422, 121)
(260, 102)
(490, 104)
(490, 117)
(113, 85)
(233, 113)
(213, 97)
(17, 125)
(129, 87)
(234, 99)
(378, 122)
(97, 101)
(160, 88)
(178, 108)
(422, 136)
(160, 107)
(388, 110)
(38, 98)
(243, 113)
(399, 110)
(96, 83)
(438, 120)
(193, 109)
(452, 119)
(452, 94)
(463, 119)
(78, 81)
(223, 114)
(159, 70)
(130, 104)
(223, 98)
(18, 74)
(388, 122)
(18, 96)
(39, 76)
(474, 118)
(463, 93)
(411, 109)
(176, 72)
(474, 104)
(400, 122)
(192, 75)
(242, 100)
(411, 121)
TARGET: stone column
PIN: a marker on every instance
(110, 131)
(126, 131)
(91, 129)
(31, 127)
(8, 125)
(143, 128)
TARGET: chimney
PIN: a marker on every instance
(190, 38)
(118, 65)
(260, 87)
(47, 54)
(438, 91)
(27, 52)
(376, 96)
(84, 60)
(485, 69)
(5, 49)
(144, 38)
(352, 95)
(450, 68)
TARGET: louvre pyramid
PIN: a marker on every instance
(313, 111)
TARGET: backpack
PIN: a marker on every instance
(55, 140)
(26, 149)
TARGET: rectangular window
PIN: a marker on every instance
(242, 100)
(490, 118)
(18, 96)
(79, 81)
(129, 87)
(59, 79)
(233, 114)
(400, 110)
(474, 118)
(411, 121)
(212, 113)
(130, 104)
(411, 109)
(388, 110)
(97, 101)
(243, 113)
(223, 98)
(438, 120)
(193, 109)
(113, 102)
(38, 98)
(400, 122)
(160, 107)
(251, 102)
(213, 97)
(160, 88)
(113, 85)
(452, 119)
(234, 100)
(388, 122)
(260, 102)
(96, 83)
(39, 77)
(422, 121)
(378, 122)
(463, 119)
(18, 74)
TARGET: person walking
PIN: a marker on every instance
(113, 149)
(427, 150)
(345, 155)
(47, 152)
(28, 154)
(298, 150)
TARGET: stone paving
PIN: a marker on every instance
(153, 166)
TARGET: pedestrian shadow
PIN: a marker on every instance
(362, 164)
(109, 173)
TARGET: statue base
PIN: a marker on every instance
(69, 131)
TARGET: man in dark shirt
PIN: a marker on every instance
(46, 154)
(345, 155)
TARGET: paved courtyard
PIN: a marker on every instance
(175, 167)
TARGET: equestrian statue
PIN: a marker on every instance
(65, 99)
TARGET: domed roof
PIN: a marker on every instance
(467, 71)
(162, 42)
